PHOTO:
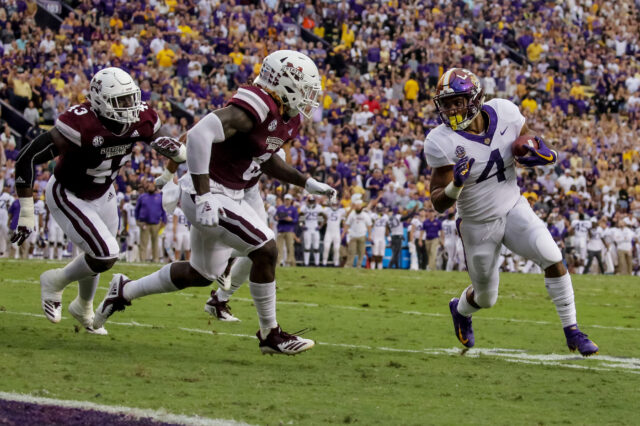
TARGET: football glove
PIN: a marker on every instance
(170, 148)
(461, 170)
(318, 188)
(538, 157)
(26, 221)
(206, 210)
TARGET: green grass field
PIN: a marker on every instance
(385, 352)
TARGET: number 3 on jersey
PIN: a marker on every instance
(496, 159)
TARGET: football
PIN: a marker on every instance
(517, 147)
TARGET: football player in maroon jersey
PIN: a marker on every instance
(92, 141)
(226, 151)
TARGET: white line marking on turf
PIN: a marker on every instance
(140, 413)
(603, 362)
(391, 310)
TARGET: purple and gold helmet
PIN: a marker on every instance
(459, 82)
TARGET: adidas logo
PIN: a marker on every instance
(20, 180)
(135, 134)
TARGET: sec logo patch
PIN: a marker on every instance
(273, 125)
(97, 141)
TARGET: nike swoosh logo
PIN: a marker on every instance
(463, 341)
(502, 132)
(545, 157)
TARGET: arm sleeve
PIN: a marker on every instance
(38, 151)
(209, 130)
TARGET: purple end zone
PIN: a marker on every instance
(26, 414)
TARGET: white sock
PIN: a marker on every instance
(380, 265)
(316, 257)
(306, 258)
(77, 269)
(264, 297)
(158, 282)
(239, 274)
(561, 292)
(464, 307)
(87, 289)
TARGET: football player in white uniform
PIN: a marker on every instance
(55, 236)
(470, 153)
(379, 231)
(450, 236)
(310, 214)
(580, 228)
(335, 215)
(181, 238)
(131, 228)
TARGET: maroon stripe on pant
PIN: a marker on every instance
(255, 231)
(100, 248)
(236, 230)
(464, 252)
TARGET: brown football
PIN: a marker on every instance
(517, 147)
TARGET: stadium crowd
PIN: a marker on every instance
(573, 67)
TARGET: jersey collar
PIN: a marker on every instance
(488, 136)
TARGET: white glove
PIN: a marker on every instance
(164, 178)
(318, 188)
(26, 221)
(206, 210)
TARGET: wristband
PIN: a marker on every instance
(181, 156)
(452, 191)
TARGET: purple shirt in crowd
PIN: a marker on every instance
(432, 228)
(149, 209)
(14, 211)
(286, 225)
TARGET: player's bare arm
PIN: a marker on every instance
(440, 178)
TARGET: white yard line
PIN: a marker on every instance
(158, 415)
(598, 362)
(386, 310)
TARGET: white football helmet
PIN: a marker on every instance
(294, 78)
(115, 96)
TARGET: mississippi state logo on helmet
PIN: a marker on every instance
(115, 96)
(294, 77)
(458, 82)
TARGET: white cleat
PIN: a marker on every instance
(113, 301)
(51, 299)
(219, 309)
(279, 342)
(224, 282)
(85, 317)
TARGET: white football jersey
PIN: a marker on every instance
(183, 223)
(6, 200)
(581, 228)
(334, 218)
(40, 211)
(311, 216)
(416, 226)
(449, 230)
(130, 211)
(379, 228)
(491, 189)
(168, 227)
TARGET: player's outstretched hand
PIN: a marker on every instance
(206, 210)
(20, 234)
(538, 157)
(170, 148)
(318, 188)
(461, 170)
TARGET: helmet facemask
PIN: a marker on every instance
(115, 96)
(454, 84)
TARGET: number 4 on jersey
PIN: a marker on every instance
(496, 159)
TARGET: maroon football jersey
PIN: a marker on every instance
(235, 163)
(91, 164)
